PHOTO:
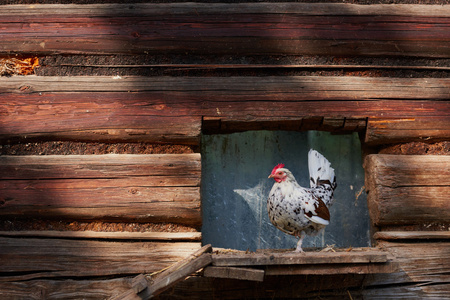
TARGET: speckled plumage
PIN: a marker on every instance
(297, 210)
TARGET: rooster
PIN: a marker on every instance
(296, 210)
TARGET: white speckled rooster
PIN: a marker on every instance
(296, 210)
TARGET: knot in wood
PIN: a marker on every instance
(133, 191)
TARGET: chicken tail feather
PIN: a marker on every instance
(320, 170)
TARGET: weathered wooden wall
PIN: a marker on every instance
(407, 192)
(380, 70)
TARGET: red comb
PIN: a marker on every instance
(277, 167)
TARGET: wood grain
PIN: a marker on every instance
(151, 188)
(289, 87)
(178, 272)
(33, 258)
(116, 235)
(310, 258)
(170, 110)
(234, 273)
(58, 288)
(331, 269)
(383, 131)
(423, 272)
(257, 28)
(107, 166)
(412, 235)
(408, 189)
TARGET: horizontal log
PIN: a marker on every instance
(30, 258)
(68, 289)
(310, 258)
(51, 67)
(408, 189)
(406, 170)
(104, 109)
(143, 236)
(161, 167)
(412, 235)
(383, 131)
(306, 88)
(409, 205)
(151, 188)
(321, 9)
(257, 28)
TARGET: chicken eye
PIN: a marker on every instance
(280, 173)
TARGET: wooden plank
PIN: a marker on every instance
(138, 284)
(383, 131)
(234, 273)
(412, 235)
(107, 187)
(142, 236)
(168, 278)
(408, 189)
(59, 288)
(310, 258)
(32, 258)
(257, 28)
(330, 269)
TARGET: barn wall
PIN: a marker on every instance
(144, 80)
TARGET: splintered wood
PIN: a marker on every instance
(239, 265)
(161, 281)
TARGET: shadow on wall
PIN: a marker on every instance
(235, 188)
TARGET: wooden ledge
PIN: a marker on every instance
(362, 255)
(412, 235)
(357, 261)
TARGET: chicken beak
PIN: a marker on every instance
(270, 176)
